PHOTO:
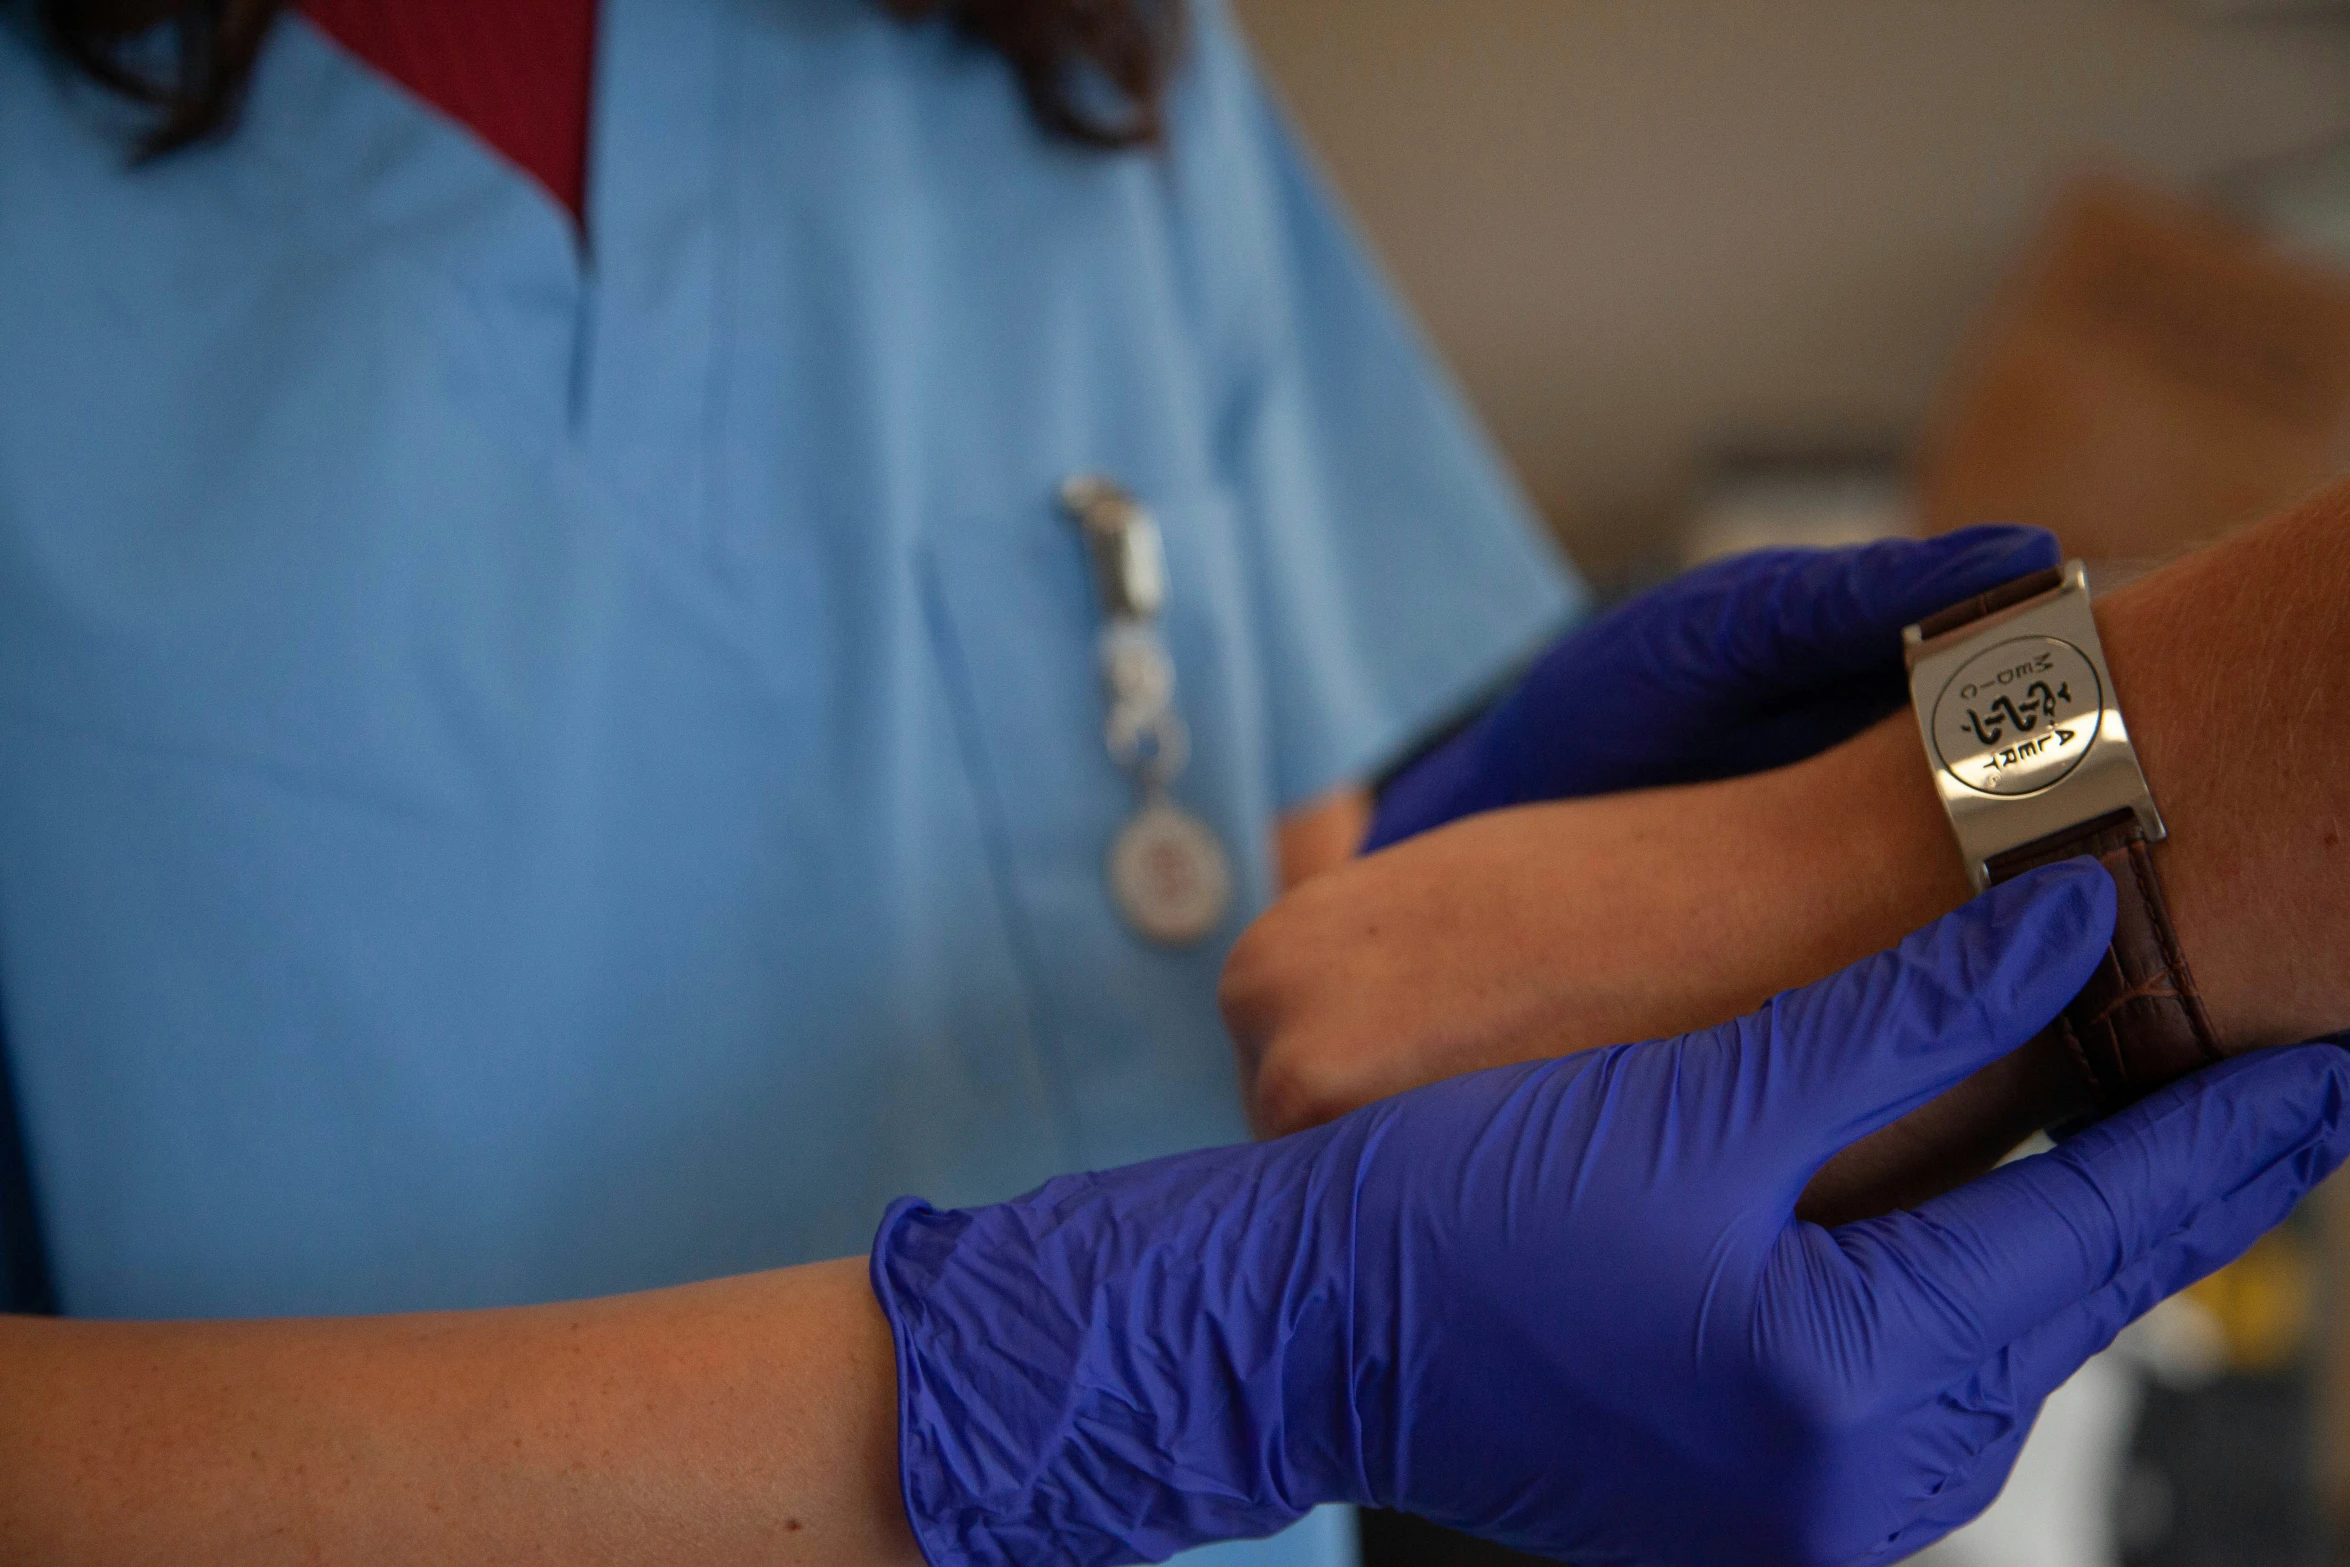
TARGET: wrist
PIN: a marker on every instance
(1865, 846)
(1883, 850)
(1901, 831)
(2234, 914)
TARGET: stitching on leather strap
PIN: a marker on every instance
(2183, 982)
(2075, 1053)
(2155, 987)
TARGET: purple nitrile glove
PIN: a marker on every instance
(1744, 664)
(1567, 1305)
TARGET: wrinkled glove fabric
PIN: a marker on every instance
(1745, 664)
(1566, 1305)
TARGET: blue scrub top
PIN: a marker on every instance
(525, 775)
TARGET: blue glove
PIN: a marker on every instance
(1566, 1305)
(1745, 664)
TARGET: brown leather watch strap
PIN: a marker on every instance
(1966, 611)
(2139, 1023)
(2136, 1025)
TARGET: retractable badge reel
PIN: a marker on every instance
(1168, 872)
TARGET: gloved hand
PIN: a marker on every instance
(1566, 1306)
(1745, 664)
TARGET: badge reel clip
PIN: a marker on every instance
(1168, 872)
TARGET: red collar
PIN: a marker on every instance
(519, 73)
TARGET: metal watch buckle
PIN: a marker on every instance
(1993, 737)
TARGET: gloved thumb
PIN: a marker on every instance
(1864, 1047)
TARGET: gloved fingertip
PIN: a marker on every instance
(2068, 903)
(2046, 933)
(1896, 582)
(1954, 996)
(2317, 1075)
(1973, 560)
(2291, 1103)
(2312, 1083)
(2328, 1064)
(2028, 546)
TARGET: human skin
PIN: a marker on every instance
(1321, 835)
(750, 1420)
(1554, 928)
(753, 1420)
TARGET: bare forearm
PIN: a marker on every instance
(2234, 670)
(2234, 666)
(1560, 927)
(750, 1420)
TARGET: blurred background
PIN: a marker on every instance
(1720, 273)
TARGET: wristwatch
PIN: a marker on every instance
(2034, 765)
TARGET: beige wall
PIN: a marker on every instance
(1642, 227)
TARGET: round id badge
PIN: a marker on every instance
(1169, 876)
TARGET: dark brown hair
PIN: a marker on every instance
(1094, 71)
